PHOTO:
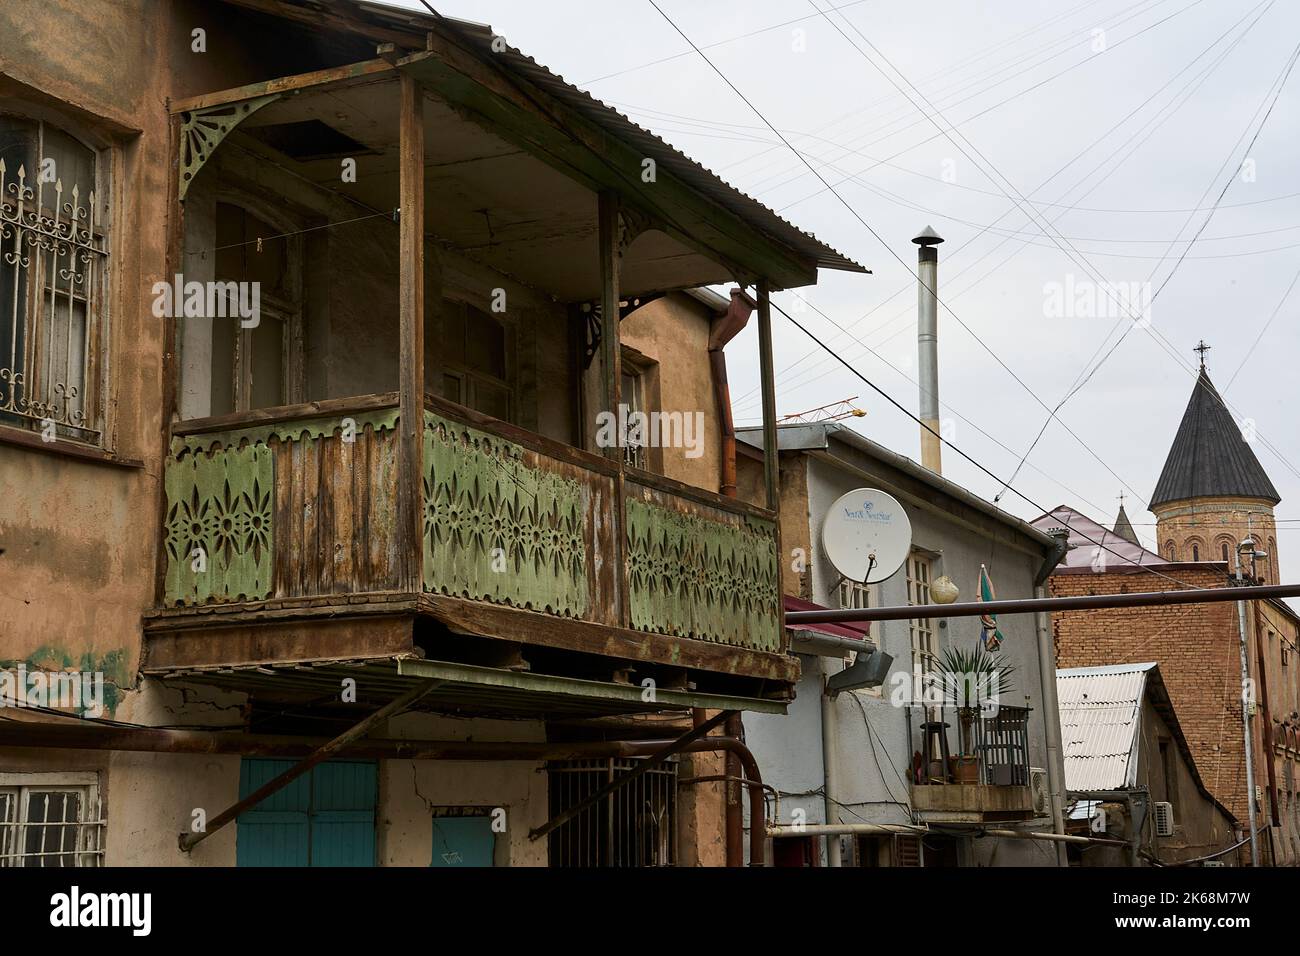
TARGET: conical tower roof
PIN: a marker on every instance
(1209, 456)
(1124, 527)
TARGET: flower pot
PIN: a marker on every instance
(965, 769)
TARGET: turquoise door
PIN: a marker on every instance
(324, 818)
(462, 841)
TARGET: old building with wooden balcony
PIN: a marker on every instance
(367, 411)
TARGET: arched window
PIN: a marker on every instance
(1196, 552)
(53, 254)
(1223, 547)
(1170, 553)
(1272, 562)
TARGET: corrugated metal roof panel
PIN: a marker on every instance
(665, 155)
(1101, 712)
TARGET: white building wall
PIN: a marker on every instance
(874, 748)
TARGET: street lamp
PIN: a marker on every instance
(1247, 547)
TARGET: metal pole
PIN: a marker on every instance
(830, 788)
(927, 346)
(1052, 724)
(1086, 602)
(1245, 713)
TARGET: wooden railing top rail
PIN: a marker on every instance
(285, 413)
(520, 436)
(588, 460)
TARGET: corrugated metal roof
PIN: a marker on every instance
(665, 155)
(1101, 713)
(466, 689)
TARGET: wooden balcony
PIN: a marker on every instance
(992, 787)
(283, 542)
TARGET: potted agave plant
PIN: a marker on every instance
(971, 679)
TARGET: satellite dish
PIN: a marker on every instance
(866, 535)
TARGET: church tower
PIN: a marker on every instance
(1213, 491)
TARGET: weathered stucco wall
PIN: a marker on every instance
(410, 790)
(673, 333)
(75, 577)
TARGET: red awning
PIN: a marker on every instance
(851, 631)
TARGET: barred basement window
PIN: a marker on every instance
(50, 820)
(633, 826)
(53, 259)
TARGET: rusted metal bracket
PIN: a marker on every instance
(189, 841)
(645, 766)
(203, 130)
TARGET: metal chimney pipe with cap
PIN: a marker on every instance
(927, 344)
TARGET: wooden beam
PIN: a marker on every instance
(481, 619)
(771, 455)
(284, 84)
(611, 354)
(611, 371)
(212, 641)
(410, 540)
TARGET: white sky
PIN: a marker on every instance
(967, 58)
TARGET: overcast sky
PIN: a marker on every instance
(1031, 87)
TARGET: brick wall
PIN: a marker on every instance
(1196, 646)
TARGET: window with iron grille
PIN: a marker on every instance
(632, 394)
(632, 826)
(50, 820)
(53, 261)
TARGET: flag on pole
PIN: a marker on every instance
(990, 636)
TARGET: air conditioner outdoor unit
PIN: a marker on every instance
(1164, 818)
(1038, 791)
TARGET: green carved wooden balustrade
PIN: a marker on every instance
(290, 509)
(501, 526)
(700, 573)
(224, 523)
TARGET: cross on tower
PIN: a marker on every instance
(1121, 499)
(1202, 348)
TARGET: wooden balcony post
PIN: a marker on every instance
(410, 532)
(771, 460)
(611, 352)
(611, 372)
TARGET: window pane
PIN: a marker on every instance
(485, 343)
(46, 832)
(491, 399)
(74, 166)
(224, 333)
(453, 333)
(8, 815)
(268, 363)
(18, 145)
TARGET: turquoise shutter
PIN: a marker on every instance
(324, 818)
(462, 841)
